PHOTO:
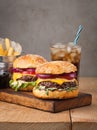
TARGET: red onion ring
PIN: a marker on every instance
(64, 75)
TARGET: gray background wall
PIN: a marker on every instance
(37, 23)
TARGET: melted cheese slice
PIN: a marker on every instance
(56, 80)
(19, 75)
(16, 75)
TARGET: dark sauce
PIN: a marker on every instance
(4, 80)
(4, 75)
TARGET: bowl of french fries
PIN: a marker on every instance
(9, 50)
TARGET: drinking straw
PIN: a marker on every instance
(78, 34)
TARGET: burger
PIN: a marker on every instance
(56, 80)
(23, 72)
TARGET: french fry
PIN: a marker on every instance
(7, 43)
(1, 53)
(10, 51)
(1, 46)
(5, 52)
(1, 50)
(11, 48)
(16, 53)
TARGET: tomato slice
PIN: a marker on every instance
(24, 70)
(17, 70)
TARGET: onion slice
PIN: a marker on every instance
(64, 75)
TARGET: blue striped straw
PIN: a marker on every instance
(78, 34)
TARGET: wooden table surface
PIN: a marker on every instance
(15, 117)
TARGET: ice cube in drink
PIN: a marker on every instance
(66, 52)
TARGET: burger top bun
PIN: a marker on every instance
(29, 61)
(56, 67)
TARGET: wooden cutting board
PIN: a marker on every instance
(28, 100)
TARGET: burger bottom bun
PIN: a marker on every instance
(27, 89)
(55, 94)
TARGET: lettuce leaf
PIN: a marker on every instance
(20, 84)
(68, 89)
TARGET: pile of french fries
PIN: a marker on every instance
(10, 49)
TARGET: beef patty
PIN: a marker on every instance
(28, 78)
(49, 84)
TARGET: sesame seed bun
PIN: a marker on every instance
(29, 61)
(56, 67)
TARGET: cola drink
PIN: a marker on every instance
(66, 52)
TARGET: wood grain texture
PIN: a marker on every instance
(27, 99)
(15, 117)
(33, 126)
(86, 117)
